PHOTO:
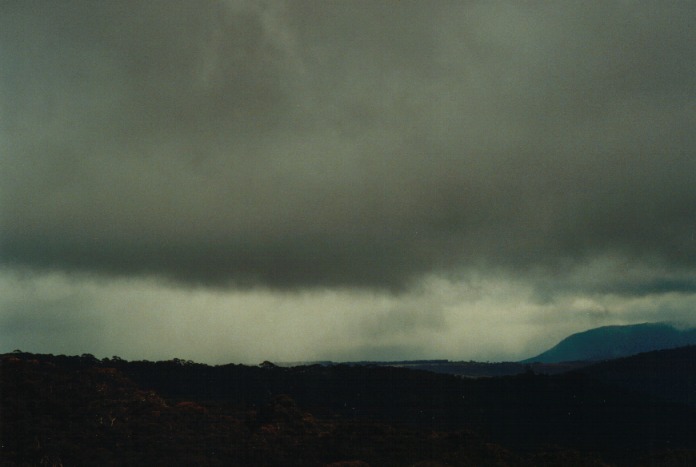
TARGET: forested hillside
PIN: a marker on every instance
(84, 411)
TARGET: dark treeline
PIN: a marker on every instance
(81, 410)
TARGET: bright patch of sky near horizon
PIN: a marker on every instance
(239, 181)
(143, 319)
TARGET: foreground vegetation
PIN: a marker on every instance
(59, 410)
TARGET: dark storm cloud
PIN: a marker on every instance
(345, 143)
(616, 278)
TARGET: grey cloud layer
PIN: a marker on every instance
(317, 143)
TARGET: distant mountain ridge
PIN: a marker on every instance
(609, 342)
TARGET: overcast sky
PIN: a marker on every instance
(239, 181)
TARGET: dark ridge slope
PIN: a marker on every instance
(668, 374)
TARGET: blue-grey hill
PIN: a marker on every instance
(608, 342)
